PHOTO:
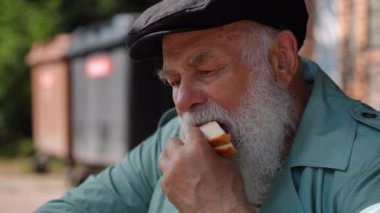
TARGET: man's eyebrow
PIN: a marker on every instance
(193, 61)
(163, 73)
(160, 74)
(199, 58)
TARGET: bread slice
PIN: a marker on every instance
(225, 150)
(218, 139)
(215, 134)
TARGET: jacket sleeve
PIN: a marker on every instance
(125, 187)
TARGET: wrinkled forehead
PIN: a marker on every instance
(227, 34)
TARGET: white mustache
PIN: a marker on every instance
(208, 112)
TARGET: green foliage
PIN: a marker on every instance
(24, 22)
(82, 12)
(23, 147)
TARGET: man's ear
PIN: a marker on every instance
(284, 58)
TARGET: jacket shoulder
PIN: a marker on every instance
(367, 116)
(367, 136)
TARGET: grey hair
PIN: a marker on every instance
(256, 42)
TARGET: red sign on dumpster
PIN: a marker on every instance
(99, 66)
(46, 79)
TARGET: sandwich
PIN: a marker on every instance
(218, 139)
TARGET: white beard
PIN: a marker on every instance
(258, 127)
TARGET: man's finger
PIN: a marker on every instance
(192, 134)
(174, 144)
(163, 160)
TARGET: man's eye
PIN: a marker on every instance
(205, 72)
(174, 83)
(209, 72)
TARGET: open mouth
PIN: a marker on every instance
(221, 124)
(224, 127)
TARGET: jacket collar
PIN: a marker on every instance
(326, 133)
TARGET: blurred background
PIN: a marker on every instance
(71, 102)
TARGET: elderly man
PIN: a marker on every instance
(302, 145)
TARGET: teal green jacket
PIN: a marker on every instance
(333, 165)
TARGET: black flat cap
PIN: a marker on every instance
(170, 16)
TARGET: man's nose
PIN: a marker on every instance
(187, 96)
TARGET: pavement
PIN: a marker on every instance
(22, 192)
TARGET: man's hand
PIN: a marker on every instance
(196, 179)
